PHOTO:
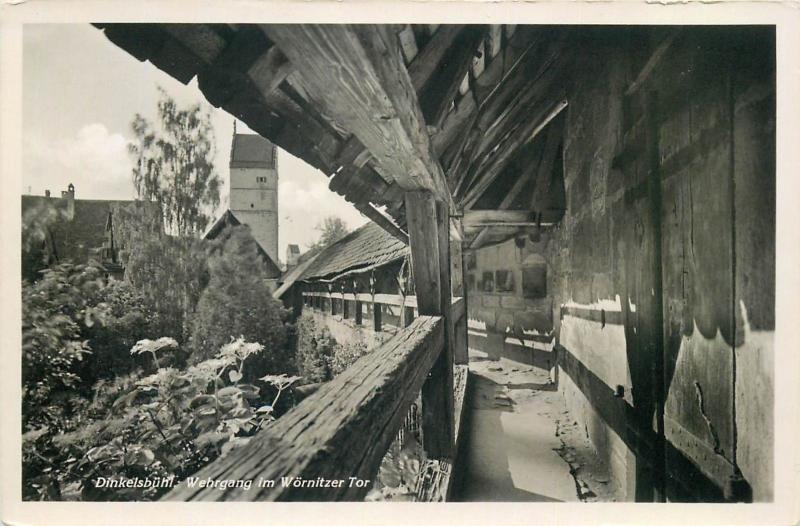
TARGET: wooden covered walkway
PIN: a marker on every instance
(638, 161)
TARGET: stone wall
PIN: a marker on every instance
(509, 307)
(345, 331)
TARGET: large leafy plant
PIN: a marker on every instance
(169, 423)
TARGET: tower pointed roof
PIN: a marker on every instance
(252, 151)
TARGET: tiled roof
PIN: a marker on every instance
(289, 279)
(252, 151)
(229, 219)
(368, 246)
(76, 239)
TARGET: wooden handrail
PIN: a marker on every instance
(343, 430)
(395, 300)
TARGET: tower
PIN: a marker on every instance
(254, 188)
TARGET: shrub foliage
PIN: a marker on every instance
(100, 399)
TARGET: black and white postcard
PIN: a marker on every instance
(526, 262)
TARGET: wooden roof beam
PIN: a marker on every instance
(383, 220)
(489, 93)
(243, 79)
(429, 59)
(357, 74)
(519, 184)
(455, 46)
(479, 218)
(440, 90)
(496, 165)
(541, 197)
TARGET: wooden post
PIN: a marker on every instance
(408, 316)
(359, 312)
(297, 301)
(429, 233)
(376, 317)
(459, 288)
(463, 358)
(345, 309)
(422, 225)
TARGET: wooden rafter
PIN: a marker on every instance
(357, 74)
(237, 69)
(408, 43)
(525, 177)
(383, 221)
(435, 83)
(489, 93)
(426, 63)
(516, 138)
(512, 107)
(437, 94)
(246, 70)
(554, 140)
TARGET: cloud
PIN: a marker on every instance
(95, 160)
(305, 201)
(304, 206)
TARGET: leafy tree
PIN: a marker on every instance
(174, 165)
(332, 229)
(237, 302)
(170, 274)
(36, 223)
(56, 311)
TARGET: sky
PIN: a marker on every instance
(80, 93)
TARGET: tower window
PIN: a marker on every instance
(261, 179)
(251, 205)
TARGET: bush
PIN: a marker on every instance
(169, 423)
(315, 348)
(238, 303)
(319, 356)
(128, 319)
(345, 355)
(56, 311)
(36, 224)
(100, 400)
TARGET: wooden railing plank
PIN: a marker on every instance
(343, 430)
(396, 300)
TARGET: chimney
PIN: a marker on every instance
(69, 195)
